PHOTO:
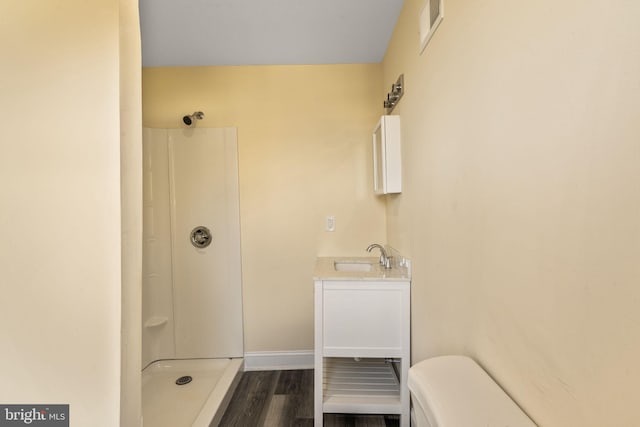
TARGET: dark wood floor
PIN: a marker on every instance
(285, 399)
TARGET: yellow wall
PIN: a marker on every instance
(521, 202)
(60, 221)
(304, 135)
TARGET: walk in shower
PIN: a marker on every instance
(192, 342)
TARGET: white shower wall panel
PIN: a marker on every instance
(157, 302)
(206, 282)
(192, 298)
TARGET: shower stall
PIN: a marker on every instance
(192, 341)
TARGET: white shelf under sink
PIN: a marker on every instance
(367, 386)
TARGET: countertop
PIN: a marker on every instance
(325, 270)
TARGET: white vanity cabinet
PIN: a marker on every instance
(362, 344)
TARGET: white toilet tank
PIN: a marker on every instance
(454, 391)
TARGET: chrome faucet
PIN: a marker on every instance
(385, 260)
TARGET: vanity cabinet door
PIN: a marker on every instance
(364, 319)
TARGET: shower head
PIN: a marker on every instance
(191, 119)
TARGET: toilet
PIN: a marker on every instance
(454, 391)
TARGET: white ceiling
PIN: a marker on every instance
(255, 32)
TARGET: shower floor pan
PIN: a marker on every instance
(194, 404)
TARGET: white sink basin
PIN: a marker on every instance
(352, 266)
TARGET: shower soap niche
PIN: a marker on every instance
(387, 162)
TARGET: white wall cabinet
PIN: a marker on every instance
(387, 160)
(362, 347)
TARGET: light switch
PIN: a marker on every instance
(330, 223)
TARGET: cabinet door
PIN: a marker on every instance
(364, 319)
(387, 161)
(379, 184)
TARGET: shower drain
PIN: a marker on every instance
(184, 380)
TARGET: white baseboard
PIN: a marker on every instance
(278, 360)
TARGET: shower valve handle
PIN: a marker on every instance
(201, 237)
